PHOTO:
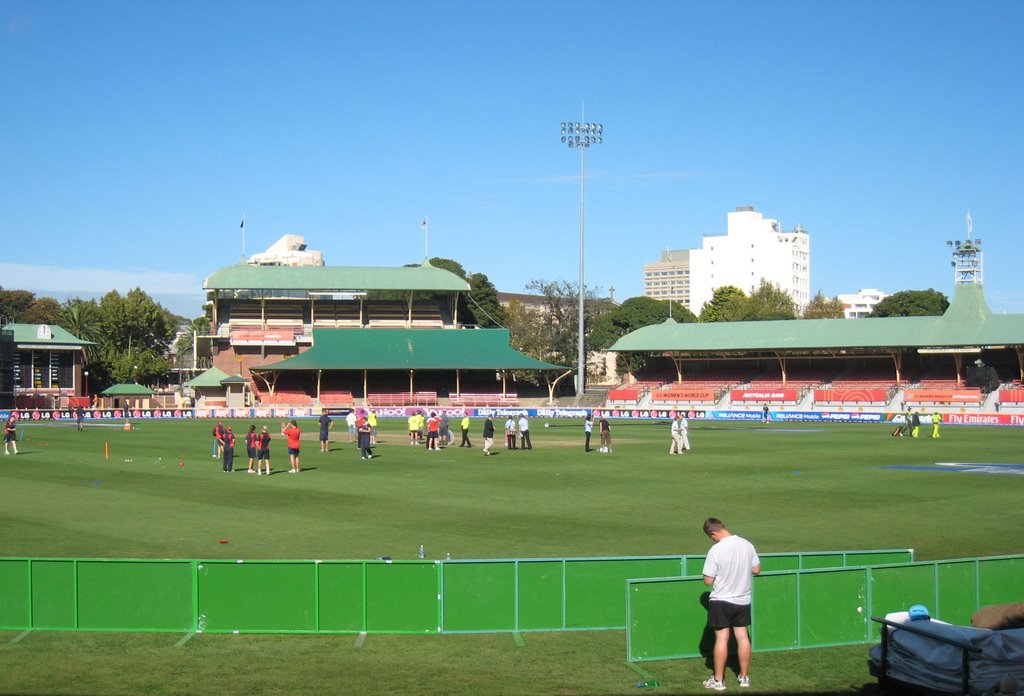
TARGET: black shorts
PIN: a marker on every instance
(727, 615)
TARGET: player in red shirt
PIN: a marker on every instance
(292, 432)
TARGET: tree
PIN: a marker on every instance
(548, 330)
(43, 310)
(136, 333)
(912, 303)
(727, 303)
(635, 313)
(14, 304)
(480, 304)
(183, 346)
(821, 307)
(483, 302)
(81, 319)
(769, 303)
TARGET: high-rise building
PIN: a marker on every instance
(754, 249)
(668, 278)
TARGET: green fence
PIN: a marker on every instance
(667, 617)
(224, 596)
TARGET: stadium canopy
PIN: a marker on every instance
(409, 349)
(208, 379)
(968, 326)
(43, 336)
(339, 279)
(127, 390)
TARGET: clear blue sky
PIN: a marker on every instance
(133, 136)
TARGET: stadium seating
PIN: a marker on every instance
(481, 399)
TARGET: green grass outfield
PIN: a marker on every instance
(787, 487)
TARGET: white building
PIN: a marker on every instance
(668, 278)
(753, 249)
(860, 304)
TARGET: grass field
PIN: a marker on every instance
(786, 487)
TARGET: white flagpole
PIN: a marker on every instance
(243, 235)
(970, 225)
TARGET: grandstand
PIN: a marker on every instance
(895, 361)
(374, 336)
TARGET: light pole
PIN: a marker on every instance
(581, 136)
(85, 383)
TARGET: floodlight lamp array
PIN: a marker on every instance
(576, 134)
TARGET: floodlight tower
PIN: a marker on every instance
(581, 136)
(968, 260)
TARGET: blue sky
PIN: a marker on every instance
(134, 135)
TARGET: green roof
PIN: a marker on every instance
(127, 390)
(410, 349)
(28, 334)
(335, 278)
(967, 322)
(210, 378)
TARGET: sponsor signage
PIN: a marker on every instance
(763, 395)
(679, 395)
(648, 413)
(961, 396)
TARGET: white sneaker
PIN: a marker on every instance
(713, 683)
(744, 681)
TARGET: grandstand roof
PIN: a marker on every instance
(410, 349)
(55, 337)
(335, 278)
(127, 390)
(967, 322)
(209, 378)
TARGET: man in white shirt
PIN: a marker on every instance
(728, 569)
(684, 434)
(677, 445)
(524, 433)
(350, 421)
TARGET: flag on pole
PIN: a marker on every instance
(424, 223)
(243, 221)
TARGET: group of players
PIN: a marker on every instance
(257, 447)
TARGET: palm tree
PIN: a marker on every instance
(81, 319)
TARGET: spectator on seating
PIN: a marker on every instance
(464, 426)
